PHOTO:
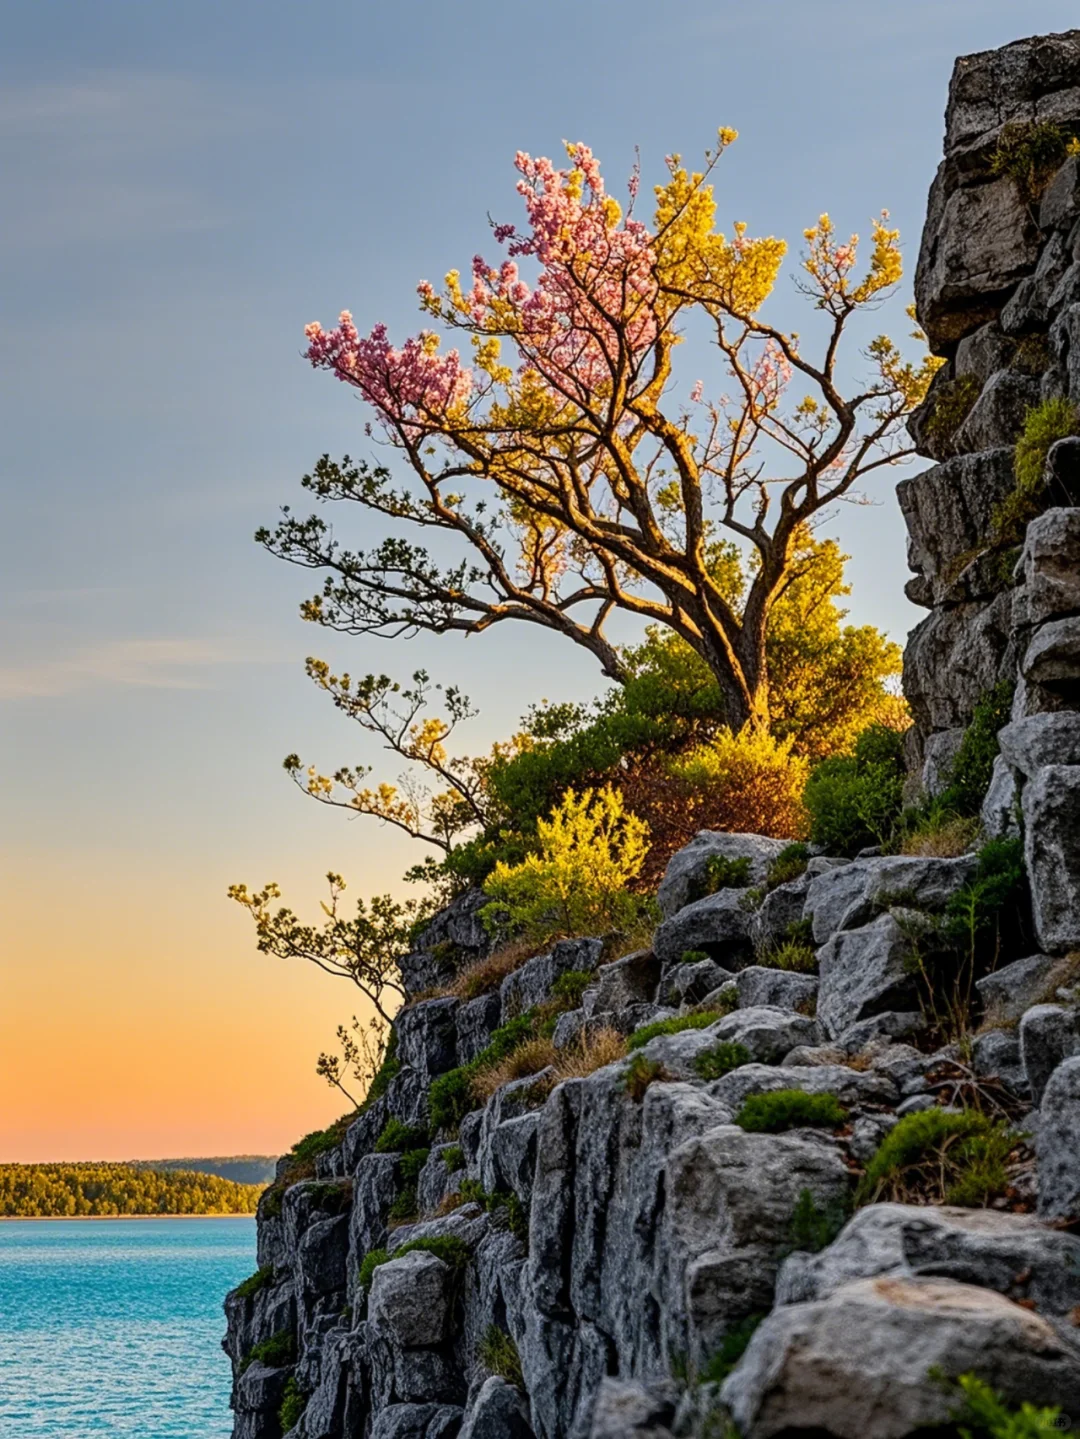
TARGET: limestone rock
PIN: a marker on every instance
(782, 907)
(948, 510)
(863, 971)
(953, 657)
(531, 984)
(1051, 805)
(997, 416)
(850, 897)
(776, 988)
(1014, 988)
(321, 1256)
(718, 925)
(1048, 1035)
(634, 979)
(1056, 1144)
(417, 1421)
(477, 1020)
(855, 1365)
(626, 1409)
(1000, 811)
(410, 1299)
(851, 1086)
(498, 1412)
(689, 983)
(997, 1054)
(1052, 659)
(685, 875)
(427, 1035)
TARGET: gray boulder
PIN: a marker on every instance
(997, 1054)
(1000, 811)
(627, 1409)
(768, 1033)
(1014, 988)
(1014, 1254)
(954, 656)
(856, 1365)
(498, 1412)
(1056, 1143)
(948, 510)
(997, 416)
(1051, 565)
(685, 876)
(1048, 1035)
(477, 1020)
(532, 983)
(1051, 804)
(863, 972)
(1030, 744)
(771, 922)
(1060, 201)
(417, 1421)
(689, 983)
(852, 896)
(427, 1035)
(625, 982)
(1052, 659)
(321, 1256)
(410, 1299)
(719, 925)
(851, 1086)
(776, 988)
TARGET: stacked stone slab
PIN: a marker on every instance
(998, 294)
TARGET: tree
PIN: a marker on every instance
(361, 1056)
(365, 949)
(577, 481)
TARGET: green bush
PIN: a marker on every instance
(812, 1228)
(938, 1156)
(693, 956)
(854, 800)
(453, 1156)
(411, 1163)
(498, 1354)
(791, 955)
(293, 1403)
(502, 1202)
(719, 873)
(1044, 424)
(368, 1265)
(732, 1349)
(950, 405)
(396, 1137)
(789, 864)
(983, 1414)
(570, 986)
(278, 1351)
(640, 1074)
(1029, 153)
(675, 1025)
(790, 1109)
(722, 1059)
(259, 1280)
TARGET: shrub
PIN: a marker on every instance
(675, 1025)
(498, 1354)
(276, 1352)
(590, 850)
(368, 1265)
(722, 1059)
(1029, 152)
(854, 800)
(813, 1229)
(746, 781)
(791, 955)
(502, 1202)
(453, 1156)
(950, 405)
(301, 1158)
(983, 1414)
(450, 1098)
(939, 1157)
(447, 1247)
(405, 1206)
(693, 956)
(642, 1072)
(732, 1349)
(789, 864)
(719, 872)
(411, 1163)
(940, 836)
(259, 1280)
(293, 1403)
(1044, 424)
(396, 1137)
(790, 1109)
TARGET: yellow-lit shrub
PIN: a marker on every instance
(747, 781)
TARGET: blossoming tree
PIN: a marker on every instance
(578, 472)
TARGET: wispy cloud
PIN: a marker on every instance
(113, 154)
(174, 664)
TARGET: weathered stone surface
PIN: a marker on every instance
(997, 416)
(1000, 812)
(939, 757)
(685, 876)
(1051, 804)
(1014, 1254)
(851, 1086)
(1051, 565)
(977, 244)
(259, 1391)
(1048, 1035)
(1060, 201)
(767, 1033)
(626, 1409)
(375, 1187)
(718, 925)
(855, 1365)
(689, 983)
(531, 984)
(410, 1299)
(477, 1020)
(427, 1035)
(321, 1256)
(997, 1053)
(776, 988)
(852, 896)
(1056, 1143)
(418, 1421)
(498, 1412)
(509, 1154)
(632, 980)
(947, 510)
(863, 972)
(1052, 659)
(953, 657)
(1029, 79)
(771, 922)
(456, 935)
(1009, 991)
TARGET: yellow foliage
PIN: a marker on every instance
(590, 850)
(747, 780)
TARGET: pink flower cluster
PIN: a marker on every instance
(404, 385)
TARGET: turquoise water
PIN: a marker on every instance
(113, 1327)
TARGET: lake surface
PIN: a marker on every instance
(114, 1326)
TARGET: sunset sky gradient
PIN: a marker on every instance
(185, 187)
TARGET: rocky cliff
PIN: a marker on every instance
(588, 1250)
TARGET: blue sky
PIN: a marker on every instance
(186, 185)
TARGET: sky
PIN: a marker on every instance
(185, 186)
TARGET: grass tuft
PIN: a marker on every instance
(790, 1109)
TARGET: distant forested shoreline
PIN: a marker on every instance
(111, 1191)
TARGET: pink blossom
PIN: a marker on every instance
(697, 392)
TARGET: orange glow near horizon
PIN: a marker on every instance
(144, 1024)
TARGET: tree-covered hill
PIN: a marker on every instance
(48, 1191)
(243, 1168)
